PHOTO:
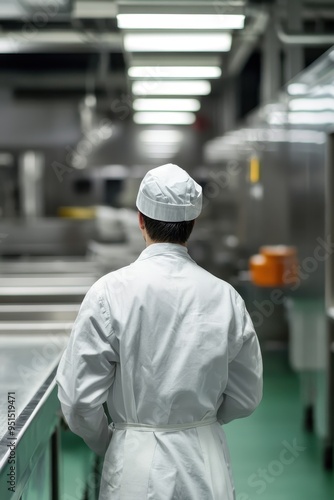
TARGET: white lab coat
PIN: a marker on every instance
(163, 342)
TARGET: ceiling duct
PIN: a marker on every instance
(58, 40)
(36, 10)
(181, 7)
(99, 9)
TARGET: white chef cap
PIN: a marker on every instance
(169, 194)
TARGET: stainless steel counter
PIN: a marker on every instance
(48, 265)
(44, 288)
(42, 294)
(38, 312)
(31, 445)
(25, 363)
(29, 280)
(39, 301)
(49, 236)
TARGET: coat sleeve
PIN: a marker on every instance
(86, 372)
(243, 391)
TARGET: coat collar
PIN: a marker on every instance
(163, 248)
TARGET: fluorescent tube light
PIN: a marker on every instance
(160, 136)
(173, 42)
(180, 21)
(308, 118)
(297, 88)
(163, 87)
(166, 105)
(168, 118)
(322, 104)
(174, 72)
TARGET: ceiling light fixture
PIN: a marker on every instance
(175, 42)
(163, 87)
(165, 148)
(322, 104)
(309, 118)
(168, 118)
(161, 136)
(166, 105)
(297, 88)
(174, 72)
(180, 21)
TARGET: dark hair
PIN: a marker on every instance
(168, 232)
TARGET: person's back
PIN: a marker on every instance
(172, 350)
(173, 321)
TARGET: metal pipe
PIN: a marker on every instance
(31, 166)
(248, 40)
(294, 54)
(47, 40)
(302, 39)
(54, 465)
(270, 68)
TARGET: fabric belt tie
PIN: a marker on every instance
(162, 428)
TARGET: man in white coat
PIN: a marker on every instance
(172, 351)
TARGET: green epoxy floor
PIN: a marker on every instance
(257, 447)
(77, 476)
(262, 469)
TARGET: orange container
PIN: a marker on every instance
(274, 266)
